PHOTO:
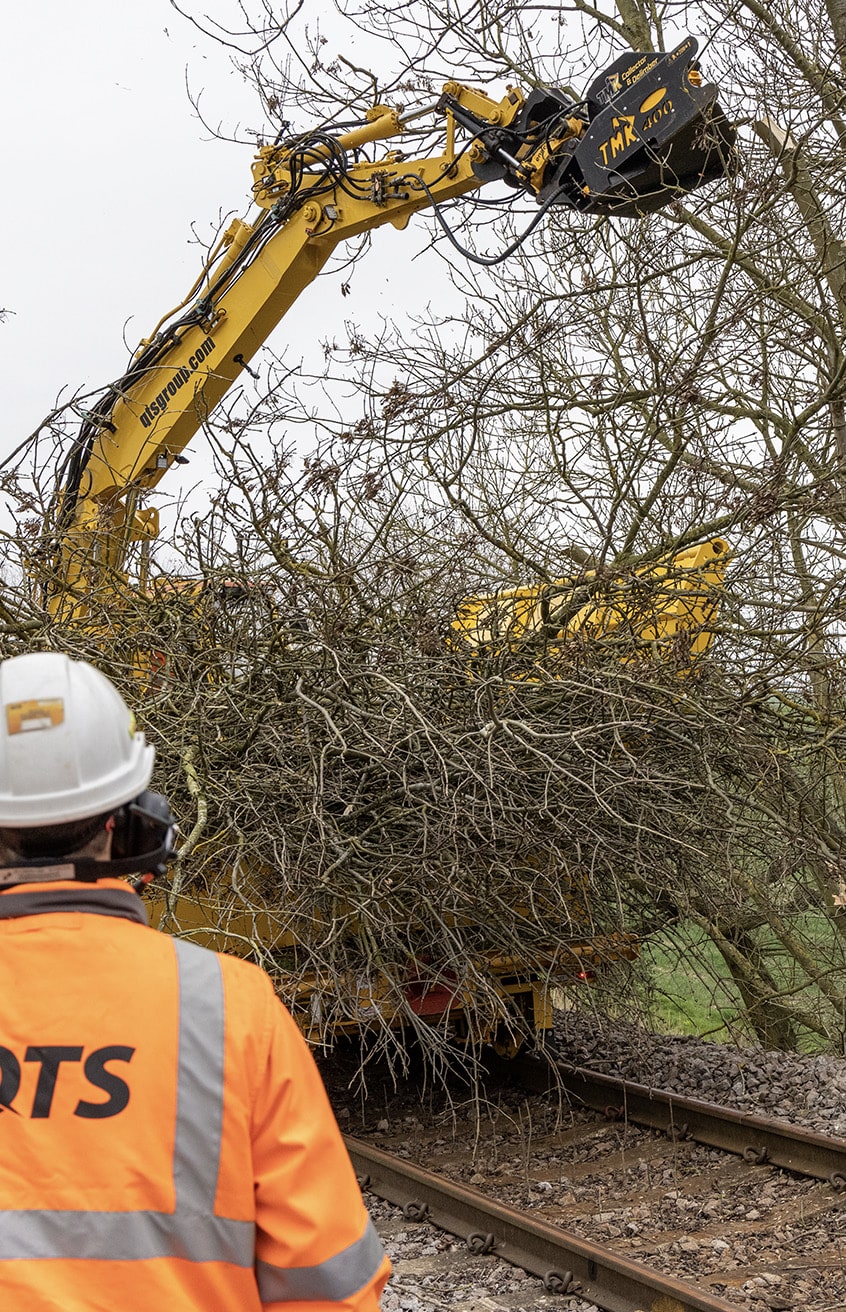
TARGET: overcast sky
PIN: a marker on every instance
(106, 167)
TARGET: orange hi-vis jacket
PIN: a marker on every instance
(166, 1144)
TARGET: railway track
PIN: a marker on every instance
(566, 1263)
(630, 1199)
(757, 1139)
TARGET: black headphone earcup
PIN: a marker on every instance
(141, 826)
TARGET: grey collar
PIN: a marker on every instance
(99, 901)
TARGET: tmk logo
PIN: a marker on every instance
(619, 140)
(51, 1057)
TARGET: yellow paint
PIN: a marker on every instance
(655, 99)
(672, 616)
(620, 140)
(157, 416)
(225, 925)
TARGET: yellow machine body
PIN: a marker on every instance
(313, 193)
(664, 610)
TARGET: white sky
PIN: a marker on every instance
(105, 168)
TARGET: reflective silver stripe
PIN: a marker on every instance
(337, 1278)
(191, 1231)
(199, 1098)
(124, 1237)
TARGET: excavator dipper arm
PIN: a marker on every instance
(647, 130)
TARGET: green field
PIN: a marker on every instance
(687, 989)
(682, 985)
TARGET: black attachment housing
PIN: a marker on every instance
(661, 133)
(652, 131)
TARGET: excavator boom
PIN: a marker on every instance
(646, 131)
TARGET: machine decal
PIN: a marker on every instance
(654, 99)
(619, 140)
(24, 717)
(179, 379)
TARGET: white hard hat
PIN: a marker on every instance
(68, 746)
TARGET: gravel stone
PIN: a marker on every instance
(436, 1273)
(804, 1090)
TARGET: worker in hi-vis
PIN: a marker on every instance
(167, 1143)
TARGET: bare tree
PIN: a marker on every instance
(614, 393)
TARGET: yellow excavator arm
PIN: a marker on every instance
(664, 610)
(646, 130)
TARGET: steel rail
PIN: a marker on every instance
(567, 1263)
(755, 1138)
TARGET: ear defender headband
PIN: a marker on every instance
(142, 843)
